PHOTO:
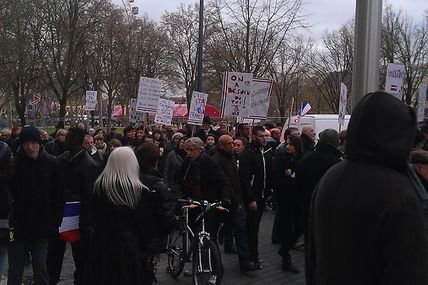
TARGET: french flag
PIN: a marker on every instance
(69, 229)
(304, 108)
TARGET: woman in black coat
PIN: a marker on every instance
(121, 221)
(289, 199)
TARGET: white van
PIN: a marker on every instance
(319, 122)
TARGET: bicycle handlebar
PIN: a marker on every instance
(192, 204)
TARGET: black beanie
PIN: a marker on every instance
(30, 133)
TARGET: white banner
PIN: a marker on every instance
(197, 108)
(236, 94)
(342, 103)
(164, 112)
(149, 92)
(260, 98)
(91, 100)
(394, 79)
(134, 115)
(422, 102)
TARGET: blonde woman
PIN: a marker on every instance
(121, 222)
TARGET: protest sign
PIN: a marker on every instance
(422, 102)
(164, 112)
(260, 98)
(91, 100)
(394, 79)
(149, 92)
(197, 108)
(342, 103)
(236, 94)
(134, 115)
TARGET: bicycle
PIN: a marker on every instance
(184, 246)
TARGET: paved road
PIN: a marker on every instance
(270, 274)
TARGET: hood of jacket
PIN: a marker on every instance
(381, 130)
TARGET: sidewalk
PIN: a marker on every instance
(271, 274)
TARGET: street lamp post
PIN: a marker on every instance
(200, 46)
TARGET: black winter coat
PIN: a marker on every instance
(79, 173)
(119, 243)
(366, 224)
(308, 144)
(205, 173)
(37, 192)
(54, 147)
(228, 163)
(162, 207)
(255, 170)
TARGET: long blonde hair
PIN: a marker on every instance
(120, 180)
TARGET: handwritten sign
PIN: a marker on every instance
(236, 94)
(394, 79)
(91, 100)
(197, 108)
(149, 92)
(134, 115)
(422, 102)
(164, 112)
(342, 103)
(260, 98)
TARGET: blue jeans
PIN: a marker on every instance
(3, 253)
(18, 251)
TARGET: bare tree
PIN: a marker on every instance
(288, 71)
(19, 63)
(406, 43)
(62, 29)
(332, 64)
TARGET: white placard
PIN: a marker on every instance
(134, 115)
(342, 103)
(236, 94)
(164, 112)
(149, 92)
(394, 79)
(422, 102)
(91, 100)
(197, 108)
(260, 98)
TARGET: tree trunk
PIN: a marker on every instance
(62, 112)
(109, 112)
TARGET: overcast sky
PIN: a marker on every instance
(323, 14)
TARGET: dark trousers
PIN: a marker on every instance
(227, 230)
(56, 249)
(18, 253)
(290, 215)
(253, 225)
(239, 219)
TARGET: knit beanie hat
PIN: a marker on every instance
(30, 133)
(5, 153)
(177, 135)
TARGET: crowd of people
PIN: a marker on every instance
(361, 208)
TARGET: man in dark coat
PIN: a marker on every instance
(201, 178)
(36, 189)
(56, 147)
(238, 215)
(206, 130)
(79, 172)
(255, 170)
(313, 166)
(308, 138)
(366, 224)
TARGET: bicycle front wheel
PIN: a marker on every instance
(176, 251)
(207, 265)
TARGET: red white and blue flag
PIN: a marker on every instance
(69, 229)
(304, 108)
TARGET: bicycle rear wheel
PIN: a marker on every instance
(176, 251)
(207, 265)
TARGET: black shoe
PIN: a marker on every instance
(290, 268)
(246, 265)
(258, 263)
(230, 249)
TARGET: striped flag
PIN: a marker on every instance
(304, 108)
(69, 229)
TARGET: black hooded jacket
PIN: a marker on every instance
(366, 224)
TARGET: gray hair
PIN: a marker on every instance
(329, 136)
(197, 142)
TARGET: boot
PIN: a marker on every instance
(246, 265)
(287, 265)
